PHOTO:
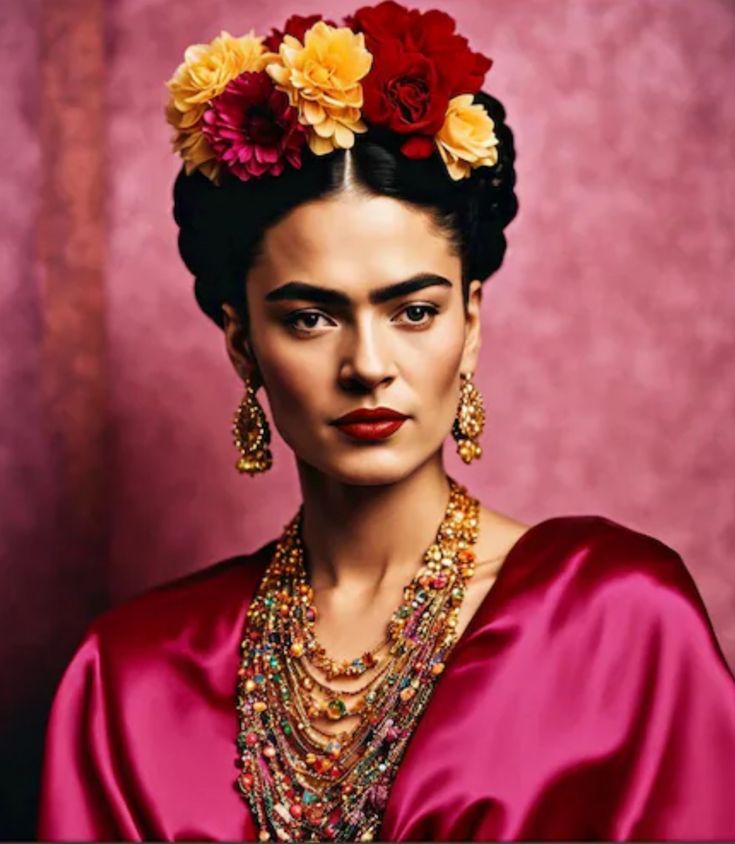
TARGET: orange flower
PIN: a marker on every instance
(467, 138)
(322, 78)
(203, 75)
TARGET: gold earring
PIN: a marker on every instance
(252, 434)
(469, 421)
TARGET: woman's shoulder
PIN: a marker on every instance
(594, 543)
(600, 546)
(598, 538)
(587, 559)
(609, 567)
(191, 604)
(602, 543)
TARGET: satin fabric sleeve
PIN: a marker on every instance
(82, 795)
(681, 782)
(589, 700)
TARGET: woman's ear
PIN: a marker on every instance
(237, 344)
(472, 327)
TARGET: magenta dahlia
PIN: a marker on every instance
(252, 128)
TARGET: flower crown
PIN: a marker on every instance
(250, 105)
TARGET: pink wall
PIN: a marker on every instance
(607, 334)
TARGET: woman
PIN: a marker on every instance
(403, 662)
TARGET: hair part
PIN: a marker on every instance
(222, 228)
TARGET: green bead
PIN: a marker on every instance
(336, 709)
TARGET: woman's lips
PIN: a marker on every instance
(378, 430)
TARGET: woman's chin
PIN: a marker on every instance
(370, 467)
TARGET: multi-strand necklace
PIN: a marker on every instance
(303, 782)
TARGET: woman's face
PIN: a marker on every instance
(329, 336)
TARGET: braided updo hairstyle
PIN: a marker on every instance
(221, 228)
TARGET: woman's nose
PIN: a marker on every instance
(367, 359)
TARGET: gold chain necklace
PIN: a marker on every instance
(301, 781)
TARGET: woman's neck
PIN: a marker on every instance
(357, 537)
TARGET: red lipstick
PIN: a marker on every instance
(370, 423)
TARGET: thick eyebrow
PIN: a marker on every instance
(328, 296)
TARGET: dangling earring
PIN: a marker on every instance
(469, 421)
(252, 434)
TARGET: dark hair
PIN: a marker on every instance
(221, 228)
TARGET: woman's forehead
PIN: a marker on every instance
(356, 237)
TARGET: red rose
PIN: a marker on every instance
(429, 33)
(420, 63)
(404, 93)
(296, 25)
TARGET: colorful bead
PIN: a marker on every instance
(336, 709)
(333, 748)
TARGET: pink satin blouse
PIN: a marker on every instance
(588, 698)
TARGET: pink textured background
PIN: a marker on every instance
(608, 333)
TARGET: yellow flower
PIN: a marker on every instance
(203, 75)
(322, 78)
(467, 138)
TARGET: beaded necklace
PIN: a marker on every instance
(300, 781)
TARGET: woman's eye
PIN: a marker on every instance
(304, 321)
(415, 314)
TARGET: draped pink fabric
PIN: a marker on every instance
(587, 699)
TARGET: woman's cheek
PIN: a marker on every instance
(443, 387)
(295, 389)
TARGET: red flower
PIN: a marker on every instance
(252, 128)
(420, 63)
(405, 93)
(296, 25)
